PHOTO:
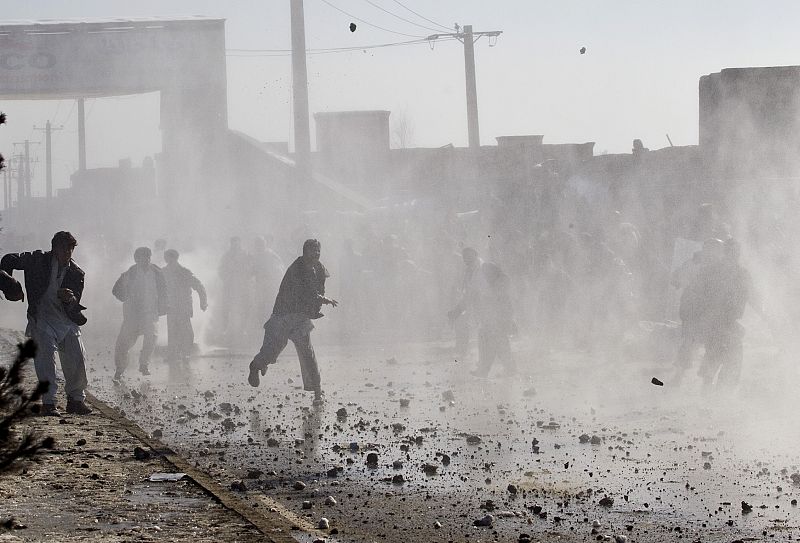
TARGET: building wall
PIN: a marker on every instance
(353, 146)
(183, 58)
(750, 122)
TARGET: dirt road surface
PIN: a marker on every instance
(94, 485)
(410, 447)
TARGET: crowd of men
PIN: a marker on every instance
(599, 285)
(569, 286)
(55, 285)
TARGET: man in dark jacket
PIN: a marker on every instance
(495, 313)
(462, 317)
(727, 287)
(180, 282)
(300, 298)
(694, 325)
(54, 284)
(143, 294)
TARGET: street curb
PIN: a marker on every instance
(276, 525)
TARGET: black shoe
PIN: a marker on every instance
(78, 407)
(49, 410)
(144, 370)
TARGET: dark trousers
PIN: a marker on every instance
(492, 345)
(277, 332)
(461, 327)
(724, 353)
(690, 343)
(180, 336)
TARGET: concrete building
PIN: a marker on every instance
(750, 122)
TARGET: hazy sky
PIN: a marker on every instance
(638, 78)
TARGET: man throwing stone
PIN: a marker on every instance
(300, 298)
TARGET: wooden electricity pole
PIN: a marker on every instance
(81, 135)
(302, 133)
(48, 129)
(468, 38)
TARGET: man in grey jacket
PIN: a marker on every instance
(143, 294)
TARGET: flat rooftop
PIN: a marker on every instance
(112, 24)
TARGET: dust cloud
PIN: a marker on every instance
(537, 282)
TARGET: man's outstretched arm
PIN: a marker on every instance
(201, 291)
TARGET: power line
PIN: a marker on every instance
(286, 52)
(351, 49)
(91, 108)
(420, 16)
(261, 50)
(71, 111)
(370, 24)
(256, 53)
(371, 3)
(58, 108)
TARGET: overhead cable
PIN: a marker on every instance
(421, 16)
(371, 3)
(370, 24)
(287, 52)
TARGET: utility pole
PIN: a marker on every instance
(468, 38)
(473, 131)
(48, 157)
(20, 171)
(23, 168)
(6, 189)
(24, 174)
(81, 136)
(27, 168)
(302, 136)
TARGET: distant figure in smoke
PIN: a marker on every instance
(638, 149)
(463, 313)
(726, 287)
(495, 320)
(180, 282)
(236, 296)
(687, 277)
(266, 268)
(159, 248)
(300, 298)
(55, 285)
(352, 289)
(707, 224)
(143, 294)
